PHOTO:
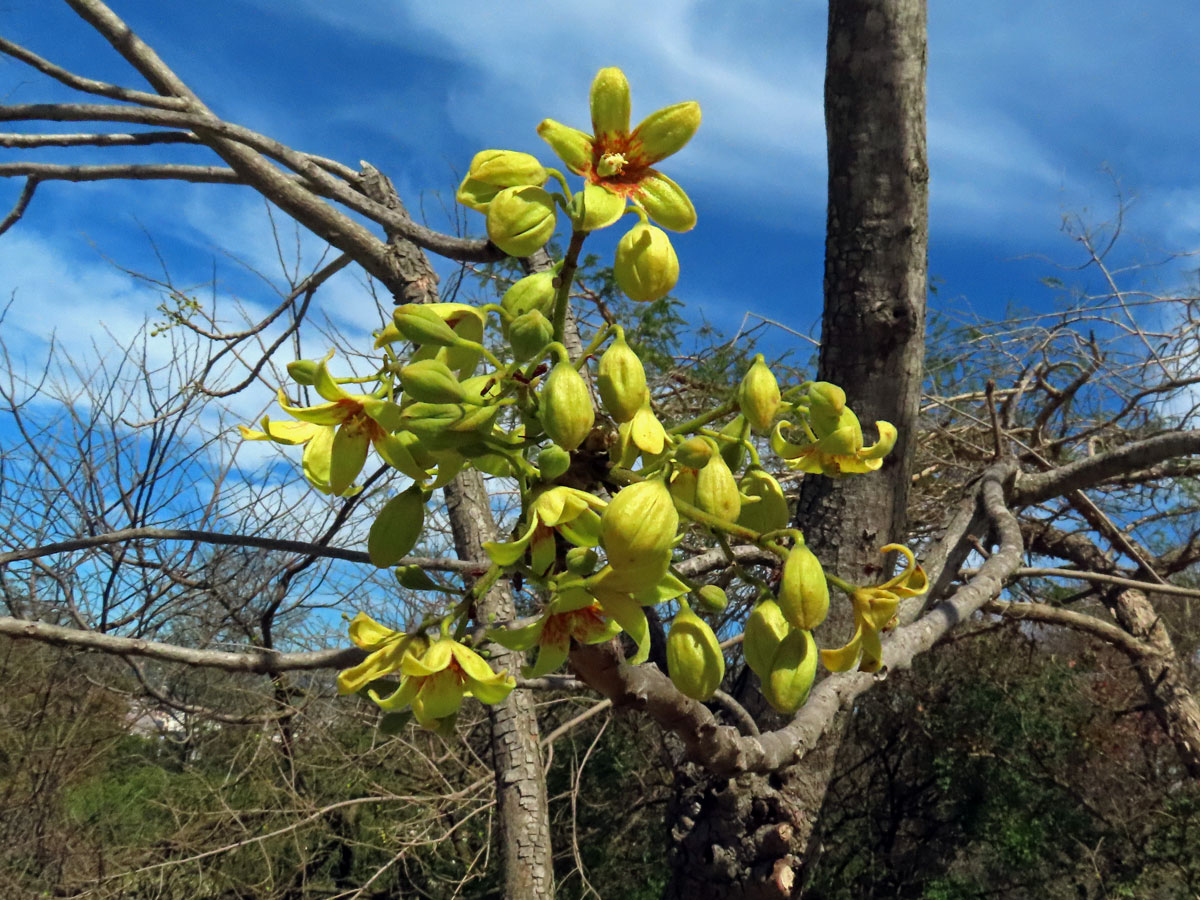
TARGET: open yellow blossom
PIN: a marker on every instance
(617, 163)
(875, 609)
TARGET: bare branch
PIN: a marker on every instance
(1045, 614)
(20, 206)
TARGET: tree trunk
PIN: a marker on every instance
(524, 810)
(750, 838)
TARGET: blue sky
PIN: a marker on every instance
(1036, 110)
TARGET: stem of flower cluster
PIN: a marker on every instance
(565, 278)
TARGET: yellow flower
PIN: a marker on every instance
(574, 615)
(435, 676)
(565, 510)
(617, 163)
(337, 434)
(875, 611)
(839, 450)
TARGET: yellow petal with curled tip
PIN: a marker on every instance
(281, 432)
(882, 447)
(843, 659)
(399, 698)
(332, 413)
(366, 633)
(435, 659)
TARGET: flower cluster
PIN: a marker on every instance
(607, 488)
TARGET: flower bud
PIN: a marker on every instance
(507, 168)
(621, 380)
(694, 658)
(695, 452)
(765, 628)
(826, 402)
(803, 590)
(712, 598)
(770, 512)
(553, 461)
(520, 220)
(528, 335)
(717, 491)
(304, 371)
(639, 525)
(422, 325)
(582, 560)
(758, 396)
(431, 381)
(418, 323)
(397, 527)
(793, 669)
(683, 484)
(565, 406)
(536, 291)
(646, 267)
(647, 433)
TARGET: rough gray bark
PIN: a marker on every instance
(524, 810)
(750, 838)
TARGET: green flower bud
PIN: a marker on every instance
(712, 598)
(507, 168)
(793, 669)
(803, 590)
(304, 371)
(582, 561)
(528, 335)
(765, 629)
(439, 330)
(553, 461)
(431, 381)
(565, 406)
(717, 491)
(520, 220)
(536, 291)
(646, 267)
(415, 579)
(758, 396)
(826, 402)
(570, 145)
(639, 525)
(621, 379)
(694, 658)
(770, 512)
(695, 452)
(422, 325)
(397, 527)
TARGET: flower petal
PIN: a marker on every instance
(550, 656)
(601, 207)
(665, 131)
(348, 455)
(665, 202)
(366, 633)
(439, 696)
(318, 456)
(570, 145)
(628, 613)
(845, 658)
(436, 658)
(609, 101)
(400, 697)
(518, 638)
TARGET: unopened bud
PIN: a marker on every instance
(520, 220)
(304, 371)
(758, 396)
(534, 291)
(770, 511)
(695, 452)
(582, 560)
(528, 335)
(431, 381)
(646, 267)
(765, 628)
(694, 658)
(793, 669)
(717, 491)
(639, 525)
(803, 589)
(553, 461)
(507, 168)
(621, 379)
(565, 406)
(712, 598)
